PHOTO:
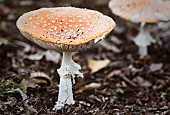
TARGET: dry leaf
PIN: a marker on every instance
(52, 56)
(49, 56)
(141, 82)
(24, 98)
(3, 41)
(23, 95)
(4, 10)
(36, 57)
(115, 40)
(40, 78)
(96, 65)
(119, 90)
(109, 46)
(113, 73)
(26, 83)
(26, 46)
(156, 67)
(92, 86)
(36, 79)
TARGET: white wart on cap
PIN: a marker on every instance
(64, 28)
(149, 11)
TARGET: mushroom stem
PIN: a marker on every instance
(143, 40)
(68, 71)
(143, 51)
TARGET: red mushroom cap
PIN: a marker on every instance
(149, 11)
(64, 28)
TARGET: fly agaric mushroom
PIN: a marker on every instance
(142, 11)
(65, 29)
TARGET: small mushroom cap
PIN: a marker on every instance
(149, 11)
(64, 28)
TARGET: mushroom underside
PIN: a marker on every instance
(58, 46)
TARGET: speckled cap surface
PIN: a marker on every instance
(149, 11)
(64, 28)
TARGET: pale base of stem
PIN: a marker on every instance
(65, 95)
(143, 51)
(68, 71)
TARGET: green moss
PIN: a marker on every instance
(7, 85)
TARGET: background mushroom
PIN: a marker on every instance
(65, 29)
(142, 11)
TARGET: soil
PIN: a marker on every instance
(129, 84)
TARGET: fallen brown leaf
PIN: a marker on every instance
(96, 65)
(92, 86)
(156, 67)
(3, 41)
(40, 78)
(141, 82)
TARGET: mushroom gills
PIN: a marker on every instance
(67, 72)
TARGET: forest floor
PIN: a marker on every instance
(123, 83)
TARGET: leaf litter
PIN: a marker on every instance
(126, 87)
